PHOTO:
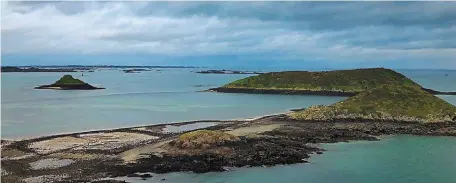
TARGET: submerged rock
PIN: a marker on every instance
(67, 82)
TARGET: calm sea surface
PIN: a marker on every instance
(170, 95)
(145, 98)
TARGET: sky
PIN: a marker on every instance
(269, 34)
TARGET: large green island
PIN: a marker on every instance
(398, 106)
(337, 83)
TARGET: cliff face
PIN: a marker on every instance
(385, 103)
(67, 82)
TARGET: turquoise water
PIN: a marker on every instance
(398, 159)
(147, 98)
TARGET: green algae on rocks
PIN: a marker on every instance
(339, 82)
(384, 103)
(67, 82)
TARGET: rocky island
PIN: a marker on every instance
(328, 83)
(135, 70)
(67, 82)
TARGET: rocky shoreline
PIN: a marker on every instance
(266, 141)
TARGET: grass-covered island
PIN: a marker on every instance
(67, 82)
(339, 82)
(384, 103)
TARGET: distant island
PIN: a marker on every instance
(227, 72)
(79, 68)
(67, 82)
(135, 70)
(330, 83)
(35, 69)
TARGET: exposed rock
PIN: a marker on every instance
(50, 163)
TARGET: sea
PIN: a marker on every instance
(166, 95)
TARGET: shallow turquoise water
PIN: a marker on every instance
(147, 98)
(398, 159)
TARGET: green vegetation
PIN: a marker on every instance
(203, 139)
(357, 80)
(385, 103)
(69, 80)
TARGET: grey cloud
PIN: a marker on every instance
(319, 30)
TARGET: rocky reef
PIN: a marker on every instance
(100, 156)
(67, 82)
(327, 83)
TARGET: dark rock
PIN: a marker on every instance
(133, 175)
(146, 175)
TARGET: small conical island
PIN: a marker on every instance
(67, 82)
(385, 103)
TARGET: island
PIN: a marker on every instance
(217, 145)
(35, 69)
(393, 103)
(67, 82)
(227, 72)
(134, 70)
(328, 83)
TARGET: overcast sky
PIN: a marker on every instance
(351, 34)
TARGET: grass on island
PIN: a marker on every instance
(203, 139)
(356, 80)
(69, 80)
(385, 103)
